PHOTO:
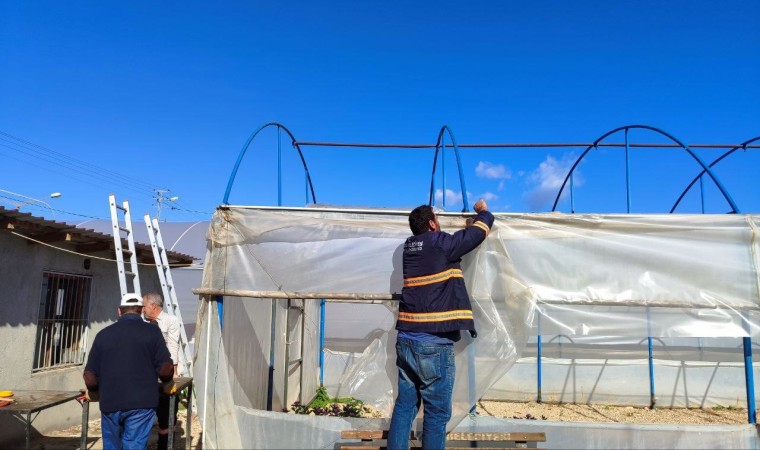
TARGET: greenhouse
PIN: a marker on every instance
(635, 309)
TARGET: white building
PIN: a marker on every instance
(60, 287)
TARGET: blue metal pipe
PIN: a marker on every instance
(233, 174)
(443, 172)
(714, 177)
(627, 175)
(220, 310)
(471, 374)
(322, 311)
(749, 378)
(572, 200)
(652, 398)
(279, 167)
(538, 361)
(270, 379)
(743, 145)
(459, 166)
(702, 193)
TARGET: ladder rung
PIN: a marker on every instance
(126, 230)
(120, 207)
(128, 273)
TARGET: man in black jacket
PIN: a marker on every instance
(434, 309)
(122, 369)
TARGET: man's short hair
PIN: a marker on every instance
(419, 219)
(131, 309)
(155, 299)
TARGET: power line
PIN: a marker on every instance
(83, 171)
(93, 172)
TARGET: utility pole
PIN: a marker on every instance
(160, 198)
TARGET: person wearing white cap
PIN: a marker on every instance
(153, 311)
(124, 362)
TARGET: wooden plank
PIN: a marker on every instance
(297, 295)
(510, 436)
(453, 436)
(375, 447)
(367, 435)
(363, 434)
(493, 448)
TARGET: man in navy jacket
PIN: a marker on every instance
(434, 309)
(125, 362)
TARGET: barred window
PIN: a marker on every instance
(62, 321)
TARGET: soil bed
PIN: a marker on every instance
(566, 412)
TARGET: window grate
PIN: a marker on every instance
(62, 323)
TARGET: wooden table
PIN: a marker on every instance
(30, 402)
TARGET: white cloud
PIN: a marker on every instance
(489, 196)
(452, 198)
(492, 171)
(547, 180)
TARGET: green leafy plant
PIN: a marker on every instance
(324, 405)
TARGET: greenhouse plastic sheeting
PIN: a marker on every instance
(585, 275)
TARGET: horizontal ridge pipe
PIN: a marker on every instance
(510, 145)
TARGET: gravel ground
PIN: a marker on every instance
(603, 413)
(69, 438)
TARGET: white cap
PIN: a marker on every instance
(131, 300)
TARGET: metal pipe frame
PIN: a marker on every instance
(744, 145)
(707, 169)
(233, 174)
(439, 146)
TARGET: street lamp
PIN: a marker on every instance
(31, 200)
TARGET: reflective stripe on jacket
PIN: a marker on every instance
(434, 297)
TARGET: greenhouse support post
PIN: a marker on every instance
(650, 351)
(749, 378)
(272, 331)
(321, 356)
(220, 310)
(471, 373)
(538, 361)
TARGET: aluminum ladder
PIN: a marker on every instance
(117, 230)
(171, 305)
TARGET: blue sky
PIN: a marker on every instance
(100, 97)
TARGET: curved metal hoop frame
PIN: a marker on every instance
(439, 145)
(233, 174)
(705, 168)
(743, 145)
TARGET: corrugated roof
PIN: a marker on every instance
(73, 238)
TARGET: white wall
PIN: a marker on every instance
(21, 267)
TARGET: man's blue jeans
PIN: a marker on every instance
(425, 375)
(128, 429)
